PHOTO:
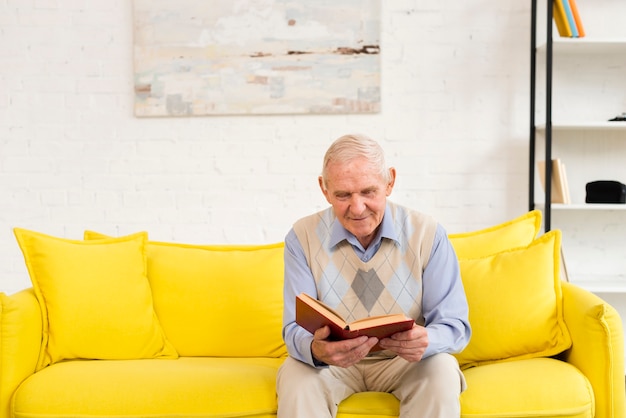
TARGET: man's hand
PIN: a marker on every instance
(340, 353)
(410, 345)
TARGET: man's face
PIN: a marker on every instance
(358, 195)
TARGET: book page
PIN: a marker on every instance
(373, 321)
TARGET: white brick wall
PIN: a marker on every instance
(73, 156)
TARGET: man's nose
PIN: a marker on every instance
(357, 203)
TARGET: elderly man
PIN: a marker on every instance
(366, 256)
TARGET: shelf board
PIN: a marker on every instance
(615, 284)
(583, 206)
(586, 46)
(585, 125)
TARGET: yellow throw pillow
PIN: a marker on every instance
(515, 304)
(517, 232)
(95, 298)
(218, 300)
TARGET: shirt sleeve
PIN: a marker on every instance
(298, 279)
(444, 304)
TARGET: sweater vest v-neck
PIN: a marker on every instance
(390, 282)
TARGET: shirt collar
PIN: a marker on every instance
(387, 230)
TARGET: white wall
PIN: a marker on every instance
(73, 157)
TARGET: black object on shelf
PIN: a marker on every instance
(605, 191)
(619, 118)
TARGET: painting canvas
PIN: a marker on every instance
(244, 57)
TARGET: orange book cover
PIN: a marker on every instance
(312, 314)
(577, 19)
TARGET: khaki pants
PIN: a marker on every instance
(427, 389)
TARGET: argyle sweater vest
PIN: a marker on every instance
(390, 282)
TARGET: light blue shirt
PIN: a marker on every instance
(444, 305)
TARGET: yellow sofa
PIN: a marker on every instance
(209, 343)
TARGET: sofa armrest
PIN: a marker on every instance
(597, 347)
(20, 342)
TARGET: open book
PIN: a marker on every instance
(312, 314)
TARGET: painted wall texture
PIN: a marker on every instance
(453, 120)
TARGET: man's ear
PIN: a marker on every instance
(320, 180)
(392, 181)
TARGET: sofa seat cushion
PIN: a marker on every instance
(370, 405)
(186, 387)
(245, 387)
(539, 387)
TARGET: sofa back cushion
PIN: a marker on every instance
(95, 298)
(514, 233)
(515, 304)
(218, 300)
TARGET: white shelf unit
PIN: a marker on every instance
(583, 206)
(585, 46)
(600, 284)
(581, 96)
(585, 126)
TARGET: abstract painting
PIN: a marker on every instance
(247, 57)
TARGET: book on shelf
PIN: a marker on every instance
(577, 19)
(565, 183)
(567, 19)
(312, 314)
(570, 17)
(559, 185)
(560, 19)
